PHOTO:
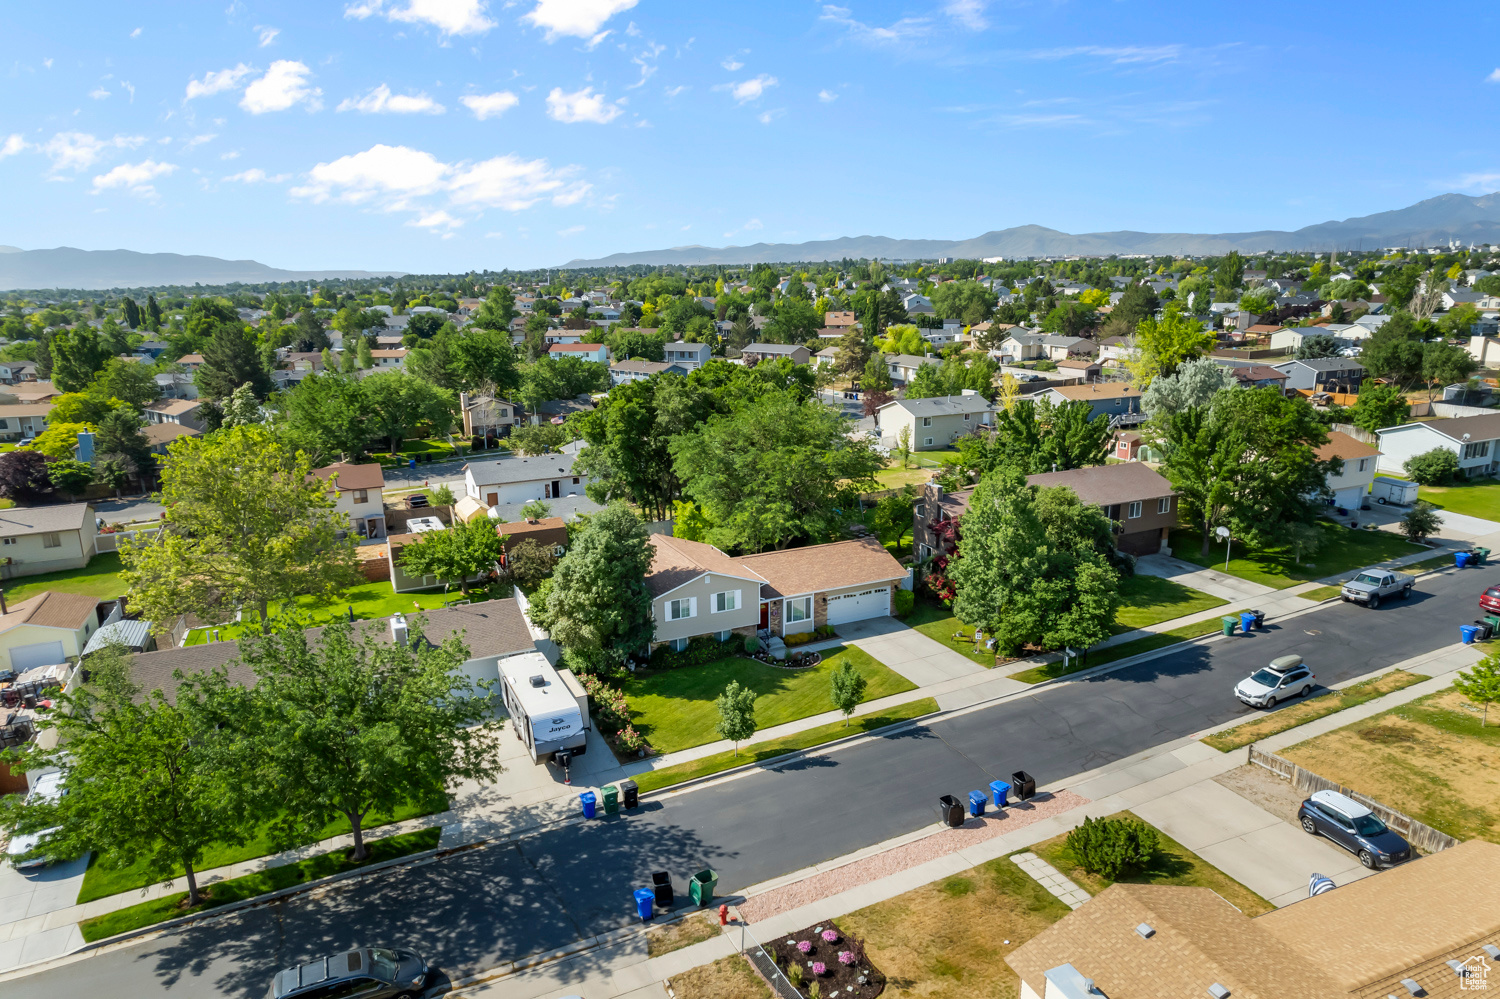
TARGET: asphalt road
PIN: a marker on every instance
(479, 908)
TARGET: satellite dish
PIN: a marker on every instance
(1221, 532)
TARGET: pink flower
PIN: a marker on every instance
(846, 957)
(819, 968)
(805, 946)
(830, 936)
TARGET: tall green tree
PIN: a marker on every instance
(1445, 364)
(77, 355)
(498, 310)
(1379, 405)
(1162, 345)
(230, 359)
(1033, 567)
(132, 312)
(598, 604)
(121, 437)
(465, 551)
(1034, 436)
(327, 416)
(1396, 351)
(484, 360)
(400, 405)
(1194, 384)
(736, 708)
(130, 382)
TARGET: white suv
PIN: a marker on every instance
(48, 787)
(1282, 678)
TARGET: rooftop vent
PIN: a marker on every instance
(1492, 951)
(399, 633)
(1146, 930)
(539, 681)
(1218, 991)
(1412, 987)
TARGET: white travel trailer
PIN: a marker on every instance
(550, 714)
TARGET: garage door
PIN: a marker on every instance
(859, 606)
(24, 657)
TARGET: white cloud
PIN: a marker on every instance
(217, 82)
(487, 106)
(827, 96)
(133, 177)
(749, 90)
(199, 140)
(512, 183)
(1484, 182)
(571, 230)
(752, 224)
(766, 117)
(267, 35)
(13, 144)
(582, 105)
(283, 86)
(1493, 77)
(732, 64)
(969, 13)
(382, 101)
(136, 33)
(451, 17)
(233, 154)
(98, 93)
(902, 30)
(255, 175)
(129, 88)
(78, 150)
(674, 91)
(379, 172)
(1119, 55)
(576, 18)
(437, 220)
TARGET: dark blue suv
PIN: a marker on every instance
(1355, 828)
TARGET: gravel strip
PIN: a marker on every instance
(940, 843)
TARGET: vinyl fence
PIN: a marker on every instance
(111, 542)
(1419, 835)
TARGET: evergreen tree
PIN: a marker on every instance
(230, 359)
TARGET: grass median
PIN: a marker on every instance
(223, 893)
(1302, 712)
(755, 752)
(1135, 647)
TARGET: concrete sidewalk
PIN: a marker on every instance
(1212, 581)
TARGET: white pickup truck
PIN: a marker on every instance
(1371, 586)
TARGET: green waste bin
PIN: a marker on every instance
(1481, 555)
(611, 800)
(1229, 624)
(701, 887)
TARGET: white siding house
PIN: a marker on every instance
(1475, 439)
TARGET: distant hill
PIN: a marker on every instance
(66, 267)
(1427, 223)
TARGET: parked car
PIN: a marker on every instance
(26, 442)
(1283, 677)
(368, 973)
(416, 502)
(1354, 827)
(1369, 588)
(1490, 600)
(23, 846)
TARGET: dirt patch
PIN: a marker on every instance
(1430, 759)
(1269, 790)
(727, 978)
(822, 960)
(683, 933)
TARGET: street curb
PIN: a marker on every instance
(90, 949)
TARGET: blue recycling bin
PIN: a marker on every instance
(590, 803)
(411, 463)
(1001, 793)
(1469, 633)
(1461, 559)
(644, 897)
(1247, 622)
(976, 803)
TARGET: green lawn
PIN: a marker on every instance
(675, 709)
(1321, 593)
(757, 751)
(1342, 551)
(1478, 498)
(939, 624)
(895, 477)
(238, 889)
(100, 578)
(369, 600)
(100, 881)
(1149, 643)
(437, 447)
(1148, 600)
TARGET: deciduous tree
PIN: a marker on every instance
(846, 688)
(736, 707)
(1481, 685)
(400, 405)
(460, 554)
(598, 604)
(23, 476)
(1379, 405)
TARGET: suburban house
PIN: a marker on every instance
(936, 505)
(388, 359)
(1475, 439)
(191, 361)
(521, 480)
(13, 372)
(1258, 376)
(49, 629)
(1171, 940)
(1120, 401)
(176, 385)
(918, 305)
(40, 539)
(698, 590)
(396, 544)
(903, 367)
(1324, 374)
(1083, 369)
(184, 412)
(549, 532)
(357, 493)
(161, 435)
(935, 422)
(826, 358)
(757, 352)
(1352, 484)
(21, 420)
(486, 416)
(596, 352)
(688, 356)
(1028, 345)
(841, 319)
(1142, 504)
(634, 370)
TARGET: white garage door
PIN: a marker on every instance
(859, 606)
(24, 657)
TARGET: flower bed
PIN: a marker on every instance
(821, 961)
(793, 660)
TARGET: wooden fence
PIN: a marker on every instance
(1419, 835)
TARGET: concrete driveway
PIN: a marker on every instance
(26, 898)
(912, 654)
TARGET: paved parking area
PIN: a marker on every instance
(909, 652)
(26, 897)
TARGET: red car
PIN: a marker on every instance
(1490, 600)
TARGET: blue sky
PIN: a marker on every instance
(436, 135)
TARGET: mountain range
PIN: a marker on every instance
(66, 267)
(1433, 222)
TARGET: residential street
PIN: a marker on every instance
(485, 906)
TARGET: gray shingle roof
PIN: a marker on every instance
(944, 405)
(1325, 364)
(19, 522)
(507, 470)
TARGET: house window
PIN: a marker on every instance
(727, 601)
(926, 421)
(966, 417)
(361, 496)
(1164, 505)
(1134, 510)
(9, 541)
(575, 480)
(725, 635)
(799, 610)
(680, 644)
(1364, 463)
(1477, 450)
(680, 609)
(927, 442)
(51, 540)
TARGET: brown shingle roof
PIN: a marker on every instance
(353, 476)
(52, 610)
(1104, 485)
(1341, 445)
(1099, 390)
(675, 561)
(16, 410)
(1257, 372)
(823, 567)
(175, 407)
(162, 433)
(1479, 428)
(547, 532)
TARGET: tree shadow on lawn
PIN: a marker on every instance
(463, 913)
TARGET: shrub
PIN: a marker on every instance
(846, 957)
(607, 705)
(1046, 364)
(805, 946)
(1433, 468)
(815, 991)
(801, 638)
(630, 740)
(824, 631)
(819, 968)
(1112, 848)
(794, 975)
(701, 650)
(752, 645)
(830, 936)
(1420, 521)
(905, 601)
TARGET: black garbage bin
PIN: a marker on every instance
(1022, 785)
(630, 794)
(1486, 630)
(661, 884)
(950, 811)
(1260, 618)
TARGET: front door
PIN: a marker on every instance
(765, 615)
(493, 499)
(556, 490)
